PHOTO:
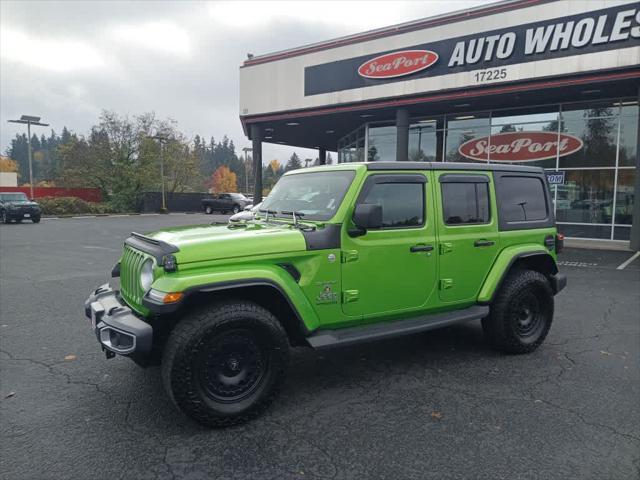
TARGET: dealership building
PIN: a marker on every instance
(535, 82)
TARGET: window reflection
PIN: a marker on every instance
(586, 197)
(382, 144)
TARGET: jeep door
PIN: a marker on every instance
(391, 269)
(468, 240)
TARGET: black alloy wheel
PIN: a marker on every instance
(232, 366)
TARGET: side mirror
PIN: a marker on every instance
(366, 216)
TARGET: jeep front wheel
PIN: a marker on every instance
(224, 364)
(521, 313)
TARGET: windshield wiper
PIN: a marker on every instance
(298, 215)
(272, 212)
(295, 215)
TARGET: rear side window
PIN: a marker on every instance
(402, 203)
(465, 203)
(524, 199)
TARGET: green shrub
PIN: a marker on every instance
(72, 206)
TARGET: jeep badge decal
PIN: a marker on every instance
(520, 146)
(397, 64)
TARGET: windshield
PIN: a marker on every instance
(238, 196)
(317, 195)
(13, 197)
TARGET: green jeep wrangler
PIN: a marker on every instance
(335, 256)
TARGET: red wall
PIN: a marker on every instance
(88, 194)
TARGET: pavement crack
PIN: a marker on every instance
(50, 367)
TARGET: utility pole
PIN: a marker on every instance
(30, 120)
(162, 139)
(246, 168)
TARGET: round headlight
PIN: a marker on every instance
(146, 274)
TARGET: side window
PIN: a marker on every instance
(523, 199)
(402, 203)
(465, 203)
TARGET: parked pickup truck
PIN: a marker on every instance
(16, 206)
(336, 255)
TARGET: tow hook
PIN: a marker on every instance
(108, 353)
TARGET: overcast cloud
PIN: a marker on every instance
(67, 61)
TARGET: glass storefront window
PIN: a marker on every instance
(550, 126)
(599, 137)
(628, 135)
(382, 144)
(351, 146)
(423, 141)
(586, 197)
(592, 109)
(461, 129)
(624, 196)
(457, 137)
(584, 205)
(509, 118)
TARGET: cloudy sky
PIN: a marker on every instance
(67, 61)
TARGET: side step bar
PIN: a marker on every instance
(378, 331)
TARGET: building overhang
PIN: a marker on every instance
(322, 127)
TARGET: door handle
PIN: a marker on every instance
(483, 243)
(421, 248)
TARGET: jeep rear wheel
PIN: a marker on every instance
(208, 210)
(223, 365)
(521, 313)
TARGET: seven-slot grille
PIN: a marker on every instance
(130, 267)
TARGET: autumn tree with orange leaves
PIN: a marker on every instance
(224, 180)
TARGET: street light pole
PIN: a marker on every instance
(246, 169)
(30, 120)
(162, 139)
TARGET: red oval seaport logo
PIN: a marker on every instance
(397, 64)
(520, 146)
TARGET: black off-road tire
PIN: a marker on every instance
(200, 362)
(521, 313)
(236, 209)
(35, 219)
(4, 217)
(208, 210)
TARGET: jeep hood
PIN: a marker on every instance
(214, 242)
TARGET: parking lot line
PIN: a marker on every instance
(624, 264)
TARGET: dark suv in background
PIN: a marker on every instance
(225, 202)
(16, 206)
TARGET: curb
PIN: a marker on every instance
(95, 215)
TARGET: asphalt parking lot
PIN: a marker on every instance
(438, 405)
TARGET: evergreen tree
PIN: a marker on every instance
(294, 163)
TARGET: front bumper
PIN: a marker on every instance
(117, 329)
(22, 213)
